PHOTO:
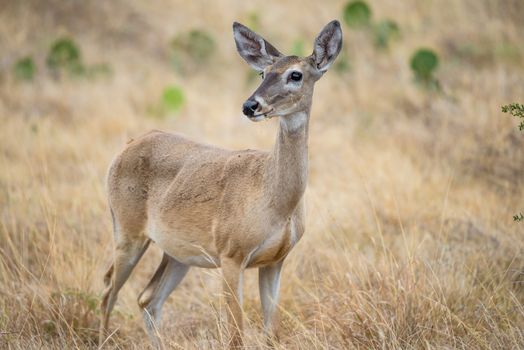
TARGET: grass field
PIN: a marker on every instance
(410, 240)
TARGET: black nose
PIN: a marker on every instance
(249, 108)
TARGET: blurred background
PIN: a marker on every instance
(415, 173)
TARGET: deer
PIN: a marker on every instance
(209, 207)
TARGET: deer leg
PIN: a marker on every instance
(145, 296)
(232, 284)
(269, 287)
(127, 256)
(166, 278)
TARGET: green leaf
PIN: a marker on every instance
(516, 110)
(423, 63)
(198, 44)
(172, 99)
(24, 68)
(357, 14)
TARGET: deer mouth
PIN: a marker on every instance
(261, 116)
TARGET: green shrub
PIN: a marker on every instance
(357, 14)
(516, 110)
(65, 54)
(384, 32)
(170, 102)
(423, 63)
(24, 68)
(195, 46)
(172, 99)
(200, 44)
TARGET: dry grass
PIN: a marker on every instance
(410, 241)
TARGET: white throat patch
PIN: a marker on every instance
(294, 122)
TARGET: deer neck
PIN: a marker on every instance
(288, 163)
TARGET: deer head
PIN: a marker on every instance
(288, 81)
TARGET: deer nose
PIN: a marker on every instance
(249, 108)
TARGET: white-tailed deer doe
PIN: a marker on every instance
(209, 207)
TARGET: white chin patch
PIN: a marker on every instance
(257, 119)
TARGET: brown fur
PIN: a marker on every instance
(210, 207)
(197, 196)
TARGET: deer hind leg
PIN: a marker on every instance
(166, 278)
(127, 254)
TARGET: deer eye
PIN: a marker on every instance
(295, 76)
(261, 74)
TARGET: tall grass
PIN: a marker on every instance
(410, 241)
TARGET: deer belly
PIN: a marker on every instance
(199, 261)
(185, 251)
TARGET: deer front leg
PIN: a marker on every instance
(233, 280)
(269, 286)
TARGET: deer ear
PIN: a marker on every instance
(327, 46)
(253, 48)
